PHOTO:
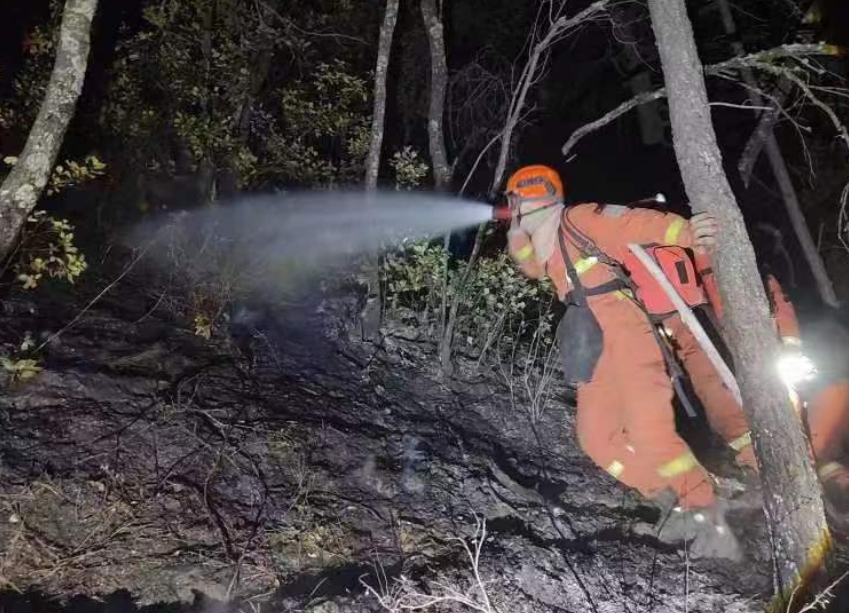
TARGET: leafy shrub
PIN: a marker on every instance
(414, 279)
(409, 168)
(498, 306)
(72, 174)
(48, 249)
(47, 243)
(307, 131)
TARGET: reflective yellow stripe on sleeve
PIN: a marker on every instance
(673, 232)
(585, 264)
(615, 469)
(525, 253)
(680, 465)
(741, 442)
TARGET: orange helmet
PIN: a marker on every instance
(535, 183)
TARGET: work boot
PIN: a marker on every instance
(704, 531)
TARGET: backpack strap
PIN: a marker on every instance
(578, 295)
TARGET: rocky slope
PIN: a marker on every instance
(285, 466)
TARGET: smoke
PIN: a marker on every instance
(304, 232)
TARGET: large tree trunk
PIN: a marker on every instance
(782, 175)
(384, 49)
(23, 187)
(438, 87)
(793, 503)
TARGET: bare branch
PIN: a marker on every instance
(288, 23)
(754, 60)
(610, 117)
(843, 219)
(533, 72)
(754, 146)
(810, 95)
(403, 595)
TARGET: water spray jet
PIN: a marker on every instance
(301, 234)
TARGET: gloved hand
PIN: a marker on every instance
(705, 229)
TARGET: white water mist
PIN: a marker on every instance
(305, 231)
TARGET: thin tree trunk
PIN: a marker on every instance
(384, 49)
(260, 68)
(782, 176)
(431, 13)
(371, 314)
(206, 170)
(793, 503)
(442, 170)
(21, 190)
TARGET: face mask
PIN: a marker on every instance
(532, 217)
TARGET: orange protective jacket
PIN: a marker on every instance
(611, 228)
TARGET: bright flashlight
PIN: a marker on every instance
(795, 369)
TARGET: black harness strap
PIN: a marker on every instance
(578, 295)
(614, 285)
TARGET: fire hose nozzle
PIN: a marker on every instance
(501, 213)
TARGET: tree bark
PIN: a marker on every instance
(384, 49)
(782, 176)
(21, 190)
(431, 13)
(793, 504)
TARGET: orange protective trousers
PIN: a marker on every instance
(626, 419)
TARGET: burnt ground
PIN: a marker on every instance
(282, 465)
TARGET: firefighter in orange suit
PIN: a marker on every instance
(822, 382)
(625, 415)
